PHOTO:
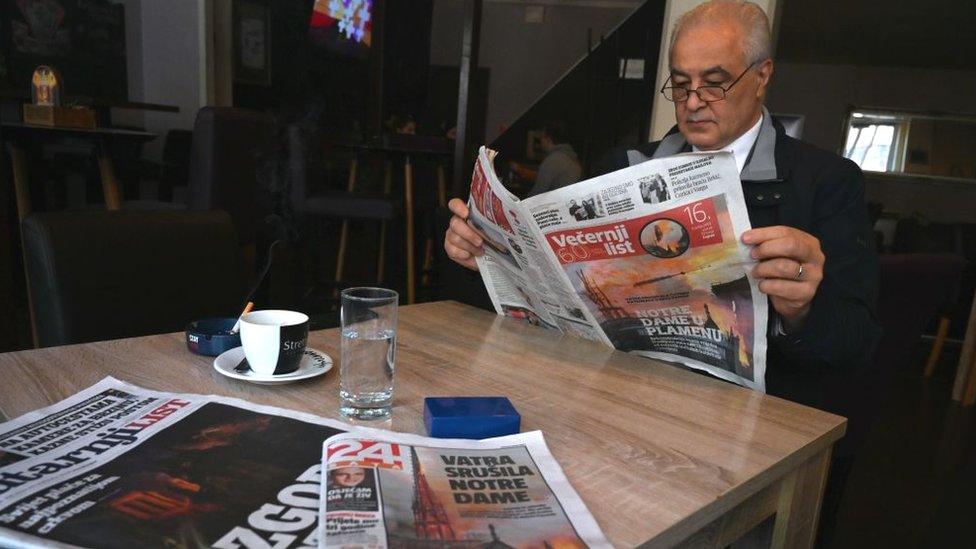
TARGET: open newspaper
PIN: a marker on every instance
(120, 466)
(117, 465)
(646, 259)
(386, 489)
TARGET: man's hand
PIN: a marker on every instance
(462, 242)
(790, 269)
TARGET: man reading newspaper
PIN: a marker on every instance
(811, 234)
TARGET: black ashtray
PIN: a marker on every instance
(211, 336)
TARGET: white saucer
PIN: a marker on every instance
(314, 363)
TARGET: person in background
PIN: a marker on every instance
(559, 168)
(403, 124)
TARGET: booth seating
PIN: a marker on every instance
(104, 275)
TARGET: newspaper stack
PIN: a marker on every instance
(120, 466)
(646, 259)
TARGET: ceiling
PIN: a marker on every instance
(892, 33)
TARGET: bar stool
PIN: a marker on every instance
(345, 206)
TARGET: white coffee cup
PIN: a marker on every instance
(274, 340)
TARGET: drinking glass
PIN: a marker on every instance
(369, 320)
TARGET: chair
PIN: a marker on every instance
(104, 275)
(229, 148)
(918, 236)
(912, 289)
(339, 205)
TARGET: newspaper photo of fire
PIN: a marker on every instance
(669, 286)
(487, 498)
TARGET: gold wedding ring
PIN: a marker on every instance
(799, 273)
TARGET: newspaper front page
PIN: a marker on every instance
(646, 259)
(117, 465)
(387, 489)
(120, 466)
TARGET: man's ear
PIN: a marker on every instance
(765, 72)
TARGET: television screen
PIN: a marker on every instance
(343, 27)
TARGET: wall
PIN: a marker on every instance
(173, 64)
(166, 64)
(133, 68)
(524, 59)
(824, 93)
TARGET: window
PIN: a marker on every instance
(932, 145)
(874, 141)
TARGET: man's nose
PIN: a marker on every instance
(694, 102)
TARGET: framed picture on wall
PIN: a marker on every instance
(252, 43)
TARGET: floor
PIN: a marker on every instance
(914, 483)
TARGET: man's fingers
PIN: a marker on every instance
(469, 263)
(789, 247)
(790, 290)
(780, 267)
(457, 253)
(460, 256)
(460, 242)
(787, 269)
(458, 208)
(779, 241)
(781, 251)
(465, 231)
(762, 234)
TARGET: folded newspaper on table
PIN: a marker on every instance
(646, 259)
(387, 489)
(120, 466)
(117, 465)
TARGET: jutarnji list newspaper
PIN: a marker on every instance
(646, 259)
(120, 466)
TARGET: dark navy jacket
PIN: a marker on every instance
(789, 182)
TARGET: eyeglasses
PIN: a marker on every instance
(708, 94)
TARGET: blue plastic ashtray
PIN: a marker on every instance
(470, 417)
(211, 336)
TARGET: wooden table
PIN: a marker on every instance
(18, 135)
(660, 455)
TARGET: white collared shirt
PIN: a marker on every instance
(742, 146)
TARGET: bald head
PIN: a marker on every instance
(747, 18)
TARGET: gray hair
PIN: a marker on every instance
(757, 44)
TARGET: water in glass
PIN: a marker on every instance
(366, 373)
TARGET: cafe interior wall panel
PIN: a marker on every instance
(524, 59)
